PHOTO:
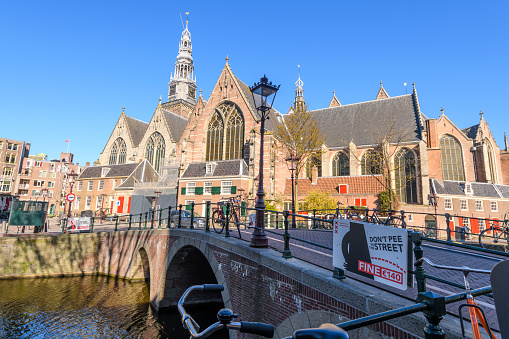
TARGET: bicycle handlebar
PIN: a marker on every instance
(464, 269)
(325, 331)
(257, 328)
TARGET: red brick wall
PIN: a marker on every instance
(504, 165)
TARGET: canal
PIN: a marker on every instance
(88, 307)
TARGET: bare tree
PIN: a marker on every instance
(379, 161)
(299, 136)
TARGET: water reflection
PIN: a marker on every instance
(86, 307)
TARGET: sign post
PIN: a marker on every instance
(70, 197)
(374, 251)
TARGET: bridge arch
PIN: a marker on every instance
(190, 262)
(141, 265)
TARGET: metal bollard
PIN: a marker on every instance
(447, 227)
(434, 314)
(287, 254)
(207, 217)
(314, 219)
(168, 223)
(226, 221)
(116, 223)
(191, 221)
(160, 217)
(92, 225)
(403, 218)
(139, 223)
(180, 216)
(277, 220)
(146, 219)
(419, 270)
(130, 220)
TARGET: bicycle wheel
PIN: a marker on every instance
(217, 222)
(235, 219)
(395, 222)
(354, 216)
(494, 239)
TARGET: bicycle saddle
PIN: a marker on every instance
(325, 331)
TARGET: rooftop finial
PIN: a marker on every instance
(123, 109)
(200, 91)
(160, 97)
(481, 114)
(505, 141)
(227, 59)
(442, 110)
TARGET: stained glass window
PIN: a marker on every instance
(371, 163)
(340, 165)
(405, 175)
(452, 160)
(155, 150)
(215, 138)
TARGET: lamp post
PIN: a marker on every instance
(103, 195)
(292, 166)
(433, 200)
(156, 194)
(264, 94)
(71, 177)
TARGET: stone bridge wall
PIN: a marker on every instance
(259, 284)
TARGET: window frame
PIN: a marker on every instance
(494, 204)
(463, 204)
(225, 187)
(448, 201)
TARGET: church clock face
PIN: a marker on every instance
(192, 92)
(172, 90)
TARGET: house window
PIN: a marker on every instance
(15, 147)
(466, 223)
(51, 184)
(77, 203)
(361, 202)
(482, 225)
(98, 202)
(463, 205)
(39, 183)
(468, 189)
(114, 184)
(478, 205)
(90, 185)
(448, 203)
(10, 158)
(104, 171)
(50, 194)
(191, 186)
(410, 217)
(207, 188)
(42, 174)
(52, 175)
(7, 171)
(343, 189)
(80, 185)
(208, 169)
(494, 206)
(6, 186)
(101, 185)
(87, 204)
(226, 187)
(9, 146)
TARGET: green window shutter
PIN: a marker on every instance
(216, 190)
(242, 210)
(234, 189)
(183, 191)
(198, 190)
(188, 207)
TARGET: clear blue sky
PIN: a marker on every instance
(68, 67)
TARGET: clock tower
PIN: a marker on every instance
(182, 85)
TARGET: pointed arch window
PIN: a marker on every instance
(314, 160)
(491, 162)
(452, 160)
(113, 153)
(155, 150)
(371, 163)
(123, 151)
(405, 175)
(340, 165)
(235, 135)
(215, 133)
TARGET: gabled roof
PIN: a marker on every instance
(471, 131)
(176, 124)
(363, 122)
(122, 170)
(334, 102)
(220, 169)
(479, 189)
(137, 129)
(144, 172)
(382, 93)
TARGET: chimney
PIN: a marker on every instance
(87, 163)
(314, 175)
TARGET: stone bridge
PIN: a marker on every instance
(259, 284)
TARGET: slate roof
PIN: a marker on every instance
(479, 189)
(221, 169)
(271, 123)
(364, 122)
(471, 131)
(176, 124)
(122, 170)
(137, 129)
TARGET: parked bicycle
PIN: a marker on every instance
(219, 218)
(496, 236)
(391, 220)
(224, 317)
(476, 313)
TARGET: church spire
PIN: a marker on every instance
(299, 103)
(182, 84)
(382, 93)
(505, 142)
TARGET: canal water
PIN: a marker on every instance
(88, 307)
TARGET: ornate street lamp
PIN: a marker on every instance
(292, 166)
(71, 178)
(156, 194)
(264, 94)
(101, 211)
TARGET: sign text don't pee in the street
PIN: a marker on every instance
(374, 251)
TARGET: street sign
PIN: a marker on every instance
(71, 197)
(78, 224)
(252, 220)
(374, 251)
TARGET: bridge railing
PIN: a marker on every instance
(280, 225)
